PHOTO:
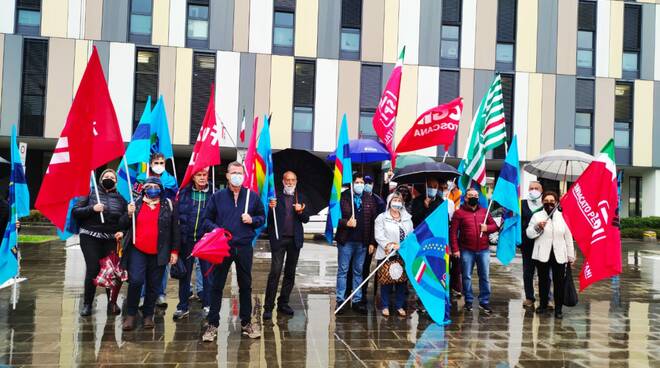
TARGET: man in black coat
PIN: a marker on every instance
(290, 213)
(529, 207)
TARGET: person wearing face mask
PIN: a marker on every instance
(529, 207)
(157, 169)
(468, 237)
(289, 207)
(98, 239)
(355, 234)
(391, 227)
(157, 242)
(553, 249)
(454, 193)
(425, 203)
(226, 209)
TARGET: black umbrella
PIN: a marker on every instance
(314, 176)
(418, 173)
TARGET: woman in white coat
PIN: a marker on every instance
(553, 249)
(391, 227)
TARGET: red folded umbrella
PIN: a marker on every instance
(213, 247)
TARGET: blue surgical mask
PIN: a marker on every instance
(152, 192)
(431, 192)
(368, 188)
(236, 179)
(358, 188)
(397, 205)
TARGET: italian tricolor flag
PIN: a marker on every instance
(588, 209)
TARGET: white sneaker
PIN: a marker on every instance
(206, 311)
(210, 334)
(161, 302)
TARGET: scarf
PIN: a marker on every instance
(150, 202)
(535, 206)
(357, 199)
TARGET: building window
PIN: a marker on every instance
(283, 26)
(586, 37)
(448, 91)
(450, 33)
(351, 23)
(370, 91)
(203, 77)
(28, 17)
(506, 35)
(631, 40)
(623, 119)
(635, 197)
(146, 81)
(507, 101)
(33, 88)
(584, 112)
(140, 21)
(198, 24)
(303, 105)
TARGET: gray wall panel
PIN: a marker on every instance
(656, 124)
(246, 94)
(221, 33)
(648, 41)
(329, 29)
(11, 83)
(115, 21)
(565, 112)
(546, 47)
(104, 55)
(430, 22)
(482, 81)
(387, 70)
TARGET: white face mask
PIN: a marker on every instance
(358, 188)
(534, 195)
(289, 190)
(236, 179)
(158, 169)
(397, 205)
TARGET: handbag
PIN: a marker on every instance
(570, 294)
(111, 274)
(392, 272)
(178, 270)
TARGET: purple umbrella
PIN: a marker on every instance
(364, 151)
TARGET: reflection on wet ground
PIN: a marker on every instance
(616, 324)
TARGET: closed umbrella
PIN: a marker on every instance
(418, 173)
(364, 151)
(560, 165)
(213, 247)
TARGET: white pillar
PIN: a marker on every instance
(650, 193)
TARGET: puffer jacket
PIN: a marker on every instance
(115, 208)
(465, 229)
(387, 229)
(369, 214)
(191, 204)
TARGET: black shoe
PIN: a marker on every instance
(360, 308)
(268, 315)
(486, 309)
(286, 310)
(113, 309)
(541, 310)
(559, 315)
(467, 308)
(86, 310)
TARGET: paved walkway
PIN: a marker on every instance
(616, 324)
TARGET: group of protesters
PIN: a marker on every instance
(167, 226)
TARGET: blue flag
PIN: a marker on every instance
(160, 131)
(425, 253)
(431, 349)
(343, 174)
(71, 226)
(263, 164)
(507, 194)
(137, 154)
(19, 204)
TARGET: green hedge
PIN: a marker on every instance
(637, 233)
(652, 222)
(35, 216)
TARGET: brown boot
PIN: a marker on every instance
(148, 322)
(129, 323)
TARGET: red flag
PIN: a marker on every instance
(250, 181)
(207, 147)
(90, 138)
(385, 116)
(589, 208)
(434, 127)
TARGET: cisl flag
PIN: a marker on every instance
(436, 126)
(207, 147)
(385, 115)
(90, 138)
(589, 208)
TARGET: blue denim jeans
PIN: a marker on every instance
(346, 252)
(482, 259)
(399, 295)
(199, 283)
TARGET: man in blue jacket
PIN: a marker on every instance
(289, 208)
(226, 209)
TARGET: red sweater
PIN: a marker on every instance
(146, 235)
(465, 228)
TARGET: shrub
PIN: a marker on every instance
(35, 216)
(652, 222)
(636, 233)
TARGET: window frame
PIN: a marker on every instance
(369, 110)
(296, 136)
(139, 38)
(632, 74)
(584, 71)
(138, 112)
(445, 62)
(23, 128)
(638, 197)
(281, 49)
(624, 154)
(453, 149)
(26, 30)
(198, 42)
(500, 152)
(348, 27)
(505, 66)
(196, 54)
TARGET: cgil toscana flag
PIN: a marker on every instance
(436, 126)
(384, 120)
(589, 209)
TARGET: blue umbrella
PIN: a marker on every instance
(364, 151)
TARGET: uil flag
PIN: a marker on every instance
(507, 194)
(436, 126)
(137, 154)
(589, 208)
(425, 253)
(343, 175)
(242, 133)
(90, 138)
(264, 170)
(207, 147)
(250, 181)
(385, 117)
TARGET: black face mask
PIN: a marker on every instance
(548, 207)
(473, 201)
(108, 184)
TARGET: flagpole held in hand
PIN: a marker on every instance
(277, 233)
(98, 198)
(130, 191)
(174, 170)
(490, 203)
(365, 281)
(352, 203)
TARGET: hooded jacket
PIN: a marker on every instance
(386, 228)
(115, 208)
(192, 204)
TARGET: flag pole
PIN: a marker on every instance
(174, 170)
(352, 202)
(130, 191)
(213, 179)
(277, 232)
(14, 288)
(445, 156)
(365, 281)
(490, 203)
(98, 198)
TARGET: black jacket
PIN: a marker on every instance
(4, 214)
(369, 214)
(169, 238)
(525, 217)
(420, 212)
(298, 220)
(222, 211)
(191, 216)
(113, 213)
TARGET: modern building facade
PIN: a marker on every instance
(575, 72)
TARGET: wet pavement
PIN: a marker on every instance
(616, 323)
